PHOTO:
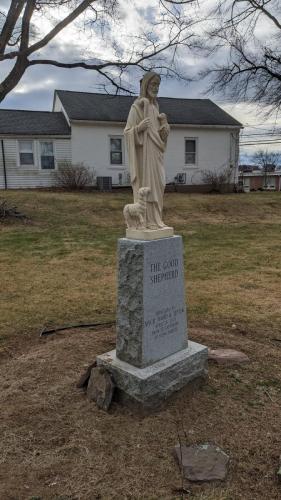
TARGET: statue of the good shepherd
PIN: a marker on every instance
(146, 136)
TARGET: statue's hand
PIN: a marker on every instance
(164, 132)
(144, 125)
(163, 118)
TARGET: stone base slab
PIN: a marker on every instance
(154, 383)
(149, 234)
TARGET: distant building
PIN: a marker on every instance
(247, 168)
(257, 179)
(88, 128)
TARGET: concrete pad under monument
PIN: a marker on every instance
(153, 356)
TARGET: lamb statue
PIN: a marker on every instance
(135, 213)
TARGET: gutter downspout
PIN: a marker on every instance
(4, 164)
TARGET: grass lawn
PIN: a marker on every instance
(60, 269)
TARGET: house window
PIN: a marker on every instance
(47, 158)
(116, 151)
(26, 154)
(190, 151)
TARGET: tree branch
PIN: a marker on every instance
(60, 26)
(25, 27)
(26, 51)
(261, 8)
(10, 23)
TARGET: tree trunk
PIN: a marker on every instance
(13, 77)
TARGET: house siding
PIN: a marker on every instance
(217, 149)
(57, 106)
(256, 183)
(91, 146)
(32, 176)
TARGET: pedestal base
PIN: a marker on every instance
(149, 234)
(153, 384)
(151, 319)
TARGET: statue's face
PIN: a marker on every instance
(153, 87)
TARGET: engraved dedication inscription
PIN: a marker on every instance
(164, 323)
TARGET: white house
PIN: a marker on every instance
(88, 128)
(32, 143)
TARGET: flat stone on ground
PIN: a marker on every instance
(227, 356)
(100, 388)
(205, 462)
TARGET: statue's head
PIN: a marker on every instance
(149, 85)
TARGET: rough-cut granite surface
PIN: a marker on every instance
(151, 311)
(129, 320)
(156, 382)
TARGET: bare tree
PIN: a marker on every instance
(246, 37)
(22, 45)
(268, 161)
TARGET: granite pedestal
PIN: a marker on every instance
(153, 356)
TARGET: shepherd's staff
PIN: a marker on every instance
(144, 102)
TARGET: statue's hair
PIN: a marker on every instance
(145, 81)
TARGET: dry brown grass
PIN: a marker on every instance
(55, 445)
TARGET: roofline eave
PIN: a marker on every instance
(76, 121)
(12, 135)
(260, 174)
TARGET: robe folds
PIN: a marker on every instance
(146, 155)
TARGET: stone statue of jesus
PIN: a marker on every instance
(146, 136)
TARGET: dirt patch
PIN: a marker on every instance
(57, 445)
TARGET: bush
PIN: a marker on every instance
(9, 212)
(73, 176)
(219, 181)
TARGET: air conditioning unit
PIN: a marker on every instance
(104, 183)
(181, 178)
(127, 178)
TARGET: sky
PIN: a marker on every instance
(36, 88)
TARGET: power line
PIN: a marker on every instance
(261, 135)
(258, 142)
(270, 141)
(257, 125)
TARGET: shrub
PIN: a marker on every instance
(9, 212)
(73, 176)
(219, 181)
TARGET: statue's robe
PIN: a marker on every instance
(146, 152)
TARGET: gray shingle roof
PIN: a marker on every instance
(17, 122)
(104, 107)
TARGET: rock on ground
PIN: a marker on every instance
(227, 356)
(100, 388)
(84, 379)
(205, 462)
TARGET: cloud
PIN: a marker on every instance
(133, 19)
